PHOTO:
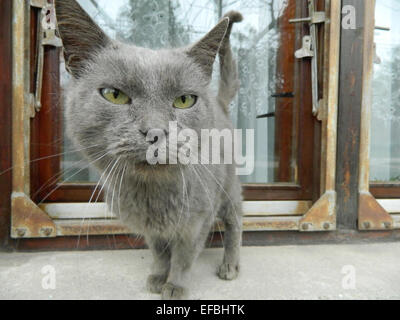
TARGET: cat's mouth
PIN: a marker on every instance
(147, 171)
(144, 165)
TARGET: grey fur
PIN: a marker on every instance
(173, 206)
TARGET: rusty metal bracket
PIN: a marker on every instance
(46, 36)
(310, 47)
(28, 220)
(371, 215)
(322, 216)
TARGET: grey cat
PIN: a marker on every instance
(118, 94)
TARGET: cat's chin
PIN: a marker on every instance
(144, 165)
(148, 171)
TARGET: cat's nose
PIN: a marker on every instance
(153, 135)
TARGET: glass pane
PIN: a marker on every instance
(385, 141)
(256, 41)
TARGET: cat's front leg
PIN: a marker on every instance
(161, 264)
(232, 218)
(184, 251)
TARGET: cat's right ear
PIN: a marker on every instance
(81, 36)
(205, 51)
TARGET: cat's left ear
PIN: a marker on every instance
(82, 37)
(205, 51)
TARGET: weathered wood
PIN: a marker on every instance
(249, 239)
(349, 119)
(5, 119)
(371, 215)
(285, 139)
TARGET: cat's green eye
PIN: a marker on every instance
(185, 102)
(115, 96)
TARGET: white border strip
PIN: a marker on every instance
(100, 211)
(390, 205)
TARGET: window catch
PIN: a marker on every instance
(46, 36)
(310, 47)
(267, 115)
(377, 59)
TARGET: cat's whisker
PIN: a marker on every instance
(187, 195)
(48, 157)
(66, 180)
(107, 178)
(57, 176)
(91, 198)
(116, 174)
(176, 150)
(118, 178)
(137, 239)
(181, 213)
(70, 177)
(205, 189)
(218, 183)
(224, 191)
(208, 194)
(119, 191)
(102, 187)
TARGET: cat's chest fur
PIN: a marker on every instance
(156, 206)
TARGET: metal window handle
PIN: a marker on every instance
(377, 59)
(309, 49)
(46, 36)
(306, 50)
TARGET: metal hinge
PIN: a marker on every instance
(309, 49)
(46, 36)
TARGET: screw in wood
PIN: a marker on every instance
(46, 231)
(327, 225)
(305, 226)
(20, 232)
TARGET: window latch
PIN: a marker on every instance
(46, 36)
(310, 47)
(377, 59)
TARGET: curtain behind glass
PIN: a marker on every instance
(385, 140)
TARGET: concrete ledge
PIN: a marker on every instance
(284, 272)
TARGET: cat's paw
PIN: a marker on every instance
(228, 271)
(173, 292)
(155, 283)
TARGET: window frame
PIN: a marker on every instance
(46, 133)
(5, 119)
(378, 207)
(380, 190)
(318, 217)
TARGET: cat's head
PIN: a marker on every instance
(119, 92)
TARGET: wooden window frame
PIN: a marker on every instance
(47, 131)
(32, 221)
(378, 207)
(384, 190)
(5, 119)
